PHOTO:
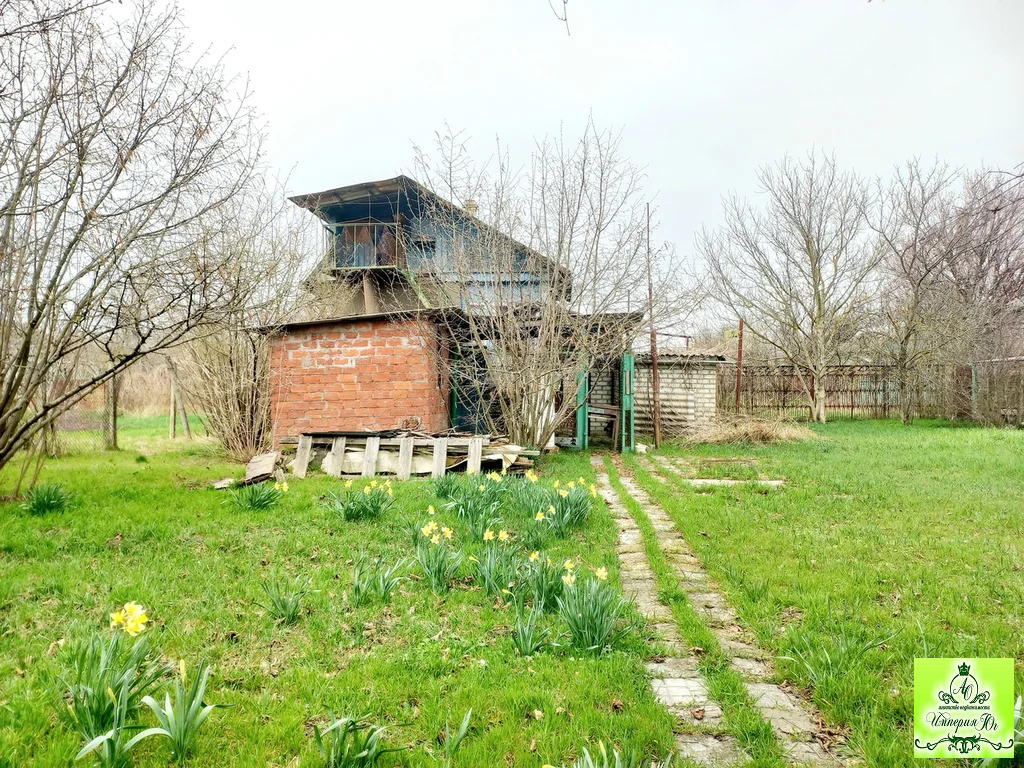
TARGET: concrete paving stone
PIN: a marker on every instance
(680, 691)
(732, 645)
(782, 710)
(708, 713)
(751, 669)
(720, 482)
(635, 559)
(809, 753)
(710, 751)
(667, 630)
(771, 695)
(674, 666)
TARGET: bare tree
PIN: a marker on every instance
(921, 231)
(33, 17)
(801, 270)
(226, 370)
(547, 270)
(117, 146)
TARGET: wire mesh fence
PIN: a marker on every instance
(990, 392)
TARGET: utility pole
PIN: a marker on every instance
(655, 377)
(739, 367)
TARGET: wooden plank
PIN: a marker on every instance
(405, 459)
(335, 457)
(370, 458)
(302, 455)
(476, 446)
(440, 456)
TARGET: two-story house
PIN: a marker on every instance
(401, 266)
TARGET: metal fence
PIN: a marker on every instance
(989, 392)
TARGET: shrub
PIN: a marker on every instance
(369, 503)
(748, 430)
(591, 609)
(256, 498)
(544, 580)
(284, 597)
(349, 742)
(497, 569)
(107, 664)
(46, 499)
(527, 637)
(181, 719)
(439, 564)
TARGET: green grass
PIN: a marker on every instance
(912, 535)
(152, 531)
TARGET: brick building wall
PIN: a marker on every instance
(357, 375)
(688, 395)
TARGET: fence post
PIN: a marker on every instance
(110, 420)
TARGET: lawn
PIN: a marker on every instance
(146, 527)
(886, 543)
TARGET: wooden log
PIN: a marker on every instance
(440, 456)
(333, 460)
(302, 455)
(405, 459)
(370, 457)
(476, 446)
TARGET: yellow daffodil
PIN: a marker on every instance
(539, 516)
(503, 535)
(531, 476)
(569, 579)
(390, 492)
(535, 556)
(431, 510)
(550, 563)
(472, 559)
(435, 539)
(373, 483)
(367, 490)
(563, 493)
(494, 477)
(554, 484)
(448, 532)
(488, 535)
(426, 530)
(348, 483)
(572, 485)
(601, 574)
(481, 487)
(593, 490)
(551, 509)
(283, 487)
(132, 618)
(569, 565)
(582, 481)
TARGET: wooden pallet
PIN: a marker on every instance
(441, 449)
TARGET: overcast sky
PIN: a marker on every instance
(704, 90)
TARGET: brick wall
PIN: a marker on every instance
(688, 395)
(357, 376)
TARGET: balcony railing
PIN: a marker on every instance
(365, 245)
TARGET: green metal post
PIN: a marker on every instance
(627, 423)
(583, 410)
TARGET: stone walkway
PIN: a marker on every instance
(675, 679)
(793, 720)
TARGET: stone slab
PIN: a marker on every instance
(710, 751)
